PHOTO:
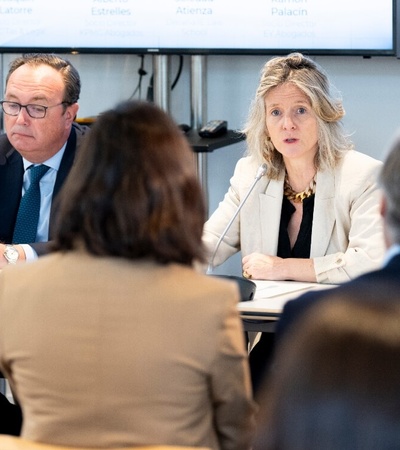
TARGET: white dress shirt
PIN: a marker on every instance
(47, 183)
(391, 253)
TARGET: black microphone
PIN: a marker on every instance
(247, 287)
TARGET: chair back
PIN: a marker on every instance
(17, 443)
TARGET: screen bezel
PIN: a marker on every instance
(393, 51)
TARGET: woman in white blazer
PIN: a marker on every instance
(346, 237)
(314, 215)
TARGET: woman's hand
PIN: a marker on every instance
(265, 267)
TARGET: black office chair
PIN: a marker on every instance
(247, 287)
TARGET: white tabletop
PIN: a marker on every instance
(271, 296)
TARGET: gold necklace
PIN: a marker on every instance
(298, 197)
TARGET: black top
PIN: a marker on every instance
(301, 248)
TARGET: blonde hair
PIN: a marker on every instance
(312, 81)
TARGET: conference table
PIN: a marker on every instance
(262, 313)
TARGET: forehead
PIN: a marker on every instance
(285, 93)
(35, 82)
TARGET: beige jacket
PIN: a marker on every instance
(104, 352)
(347, 234)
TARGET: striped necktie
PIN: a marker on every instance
(25, 229)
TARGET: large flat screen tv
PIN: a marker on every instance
(364, 27)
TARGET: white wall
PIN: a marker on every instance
(370, 89)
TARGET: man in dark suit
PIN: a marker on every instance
(378, 284)
(39, 107)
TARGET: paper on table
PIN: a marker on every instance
(268, 289)
(271, 296)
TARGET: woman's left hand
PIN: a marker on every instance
(263, 267)
(266, 267)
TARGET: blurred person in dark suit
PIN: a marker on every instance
(335, 382)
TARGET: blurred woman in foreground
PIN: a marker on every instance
(114, 339)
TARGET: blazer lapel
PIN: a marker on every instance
(63, 171)
(324, 214)
(66, 162)
(270, 216)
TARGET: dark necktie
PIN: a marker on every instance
(28, 213)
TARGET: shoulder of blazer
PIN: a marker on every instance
(80, 130)
(75, 138)
(74, 141)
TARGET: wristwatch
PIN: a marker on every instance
(11, 254)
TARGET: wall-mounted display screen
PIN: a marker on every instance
(199, 26)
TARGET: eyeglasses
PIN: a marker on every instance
(34, 111)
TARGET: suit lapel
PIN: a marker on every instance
(63, 171)
(270, 216)
(323, 220)
(324, 213)
(66, 162)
